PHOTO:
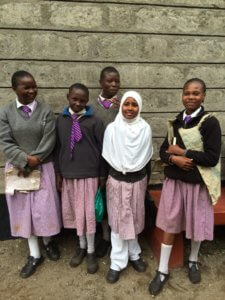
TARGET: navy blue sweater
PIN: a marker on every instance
(87, 160)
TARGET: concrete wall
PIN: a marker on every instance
(156, 45)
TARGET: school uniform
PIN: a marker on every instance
(127, 148)
(35, 213)
(80, 169)
(187, 197)
(105, 110)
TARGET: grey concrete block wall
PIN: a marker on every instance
(155, 44)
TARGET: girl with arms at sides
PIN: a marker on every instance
(80, 169)
(106, 109)
(127, 148)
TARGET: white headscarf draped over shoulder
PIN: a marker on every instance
(127, 144)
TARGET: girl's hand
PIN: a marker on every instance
(59, 182)
(175, 149)
(102, 182)
(33, 161)
(116, 103)
(184, 163)
(24, 172)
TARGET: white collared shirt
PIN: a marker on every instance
(31, 105)
(82, 112)
(101, 98)
(194, 114)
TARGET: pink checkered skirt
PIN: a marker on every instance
(125, 206)
(78, 204)
(186, 207)
(36, 213)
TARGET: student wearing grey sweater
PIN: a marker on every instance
(27, 139)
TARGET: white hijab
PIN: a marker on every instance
(127, 144)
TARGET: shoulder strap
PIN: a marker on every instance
(205, 117)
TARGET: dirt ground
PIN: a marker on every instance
(56, 280)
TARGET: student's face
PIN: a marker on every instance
(26, 90)
(193, 96)
(77, 100)
(130, 108)
(110, 84)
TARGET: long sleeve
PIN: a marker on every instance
(57, 150)
(47, 143)
(8, 144)
(162, 152)
(211, 136)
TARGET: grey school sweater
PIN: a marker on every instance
(21, 136)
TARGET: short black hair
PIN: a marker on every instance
(195, 80)
(107, 70)
(18, 75)
(79, 86)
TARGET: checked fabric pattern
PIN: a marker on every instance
(26, 110)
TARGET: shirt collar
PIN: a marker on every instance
(31, 105)
(194, 114)
(82, 112)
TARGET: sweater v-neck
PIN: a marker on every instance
(33, 113)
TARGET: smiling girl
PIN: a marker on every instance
(80, 169)
(127, 148)
(192, 183)
(27, 138)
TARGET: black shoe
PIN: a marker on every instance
(194, 273)
(92, 263)
(31, 266)
(156, 285)
(52, 251)
(103, 248)
(113, 276)
(139, 265)
(77, 259)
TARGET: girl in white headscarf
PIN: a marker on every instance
(127, 147)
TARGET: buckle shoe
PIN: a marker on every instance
(194, 273)
(52, 251)
(156, 285)
(30, 267)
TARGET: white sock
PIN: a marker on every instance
(34, 247)
(90, 243)
(164, 259)
(195, 246)
(83, 242)
(105, 230)
(46, 240)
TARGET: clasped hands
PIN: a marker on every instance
(177, 157)
(32, 163)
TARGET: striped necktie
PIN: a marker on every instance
(76, 134)
(26, 109)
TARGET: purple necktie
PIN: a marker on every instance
(76, 134)
(187, 119)
(26, 109)
(106, 103)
